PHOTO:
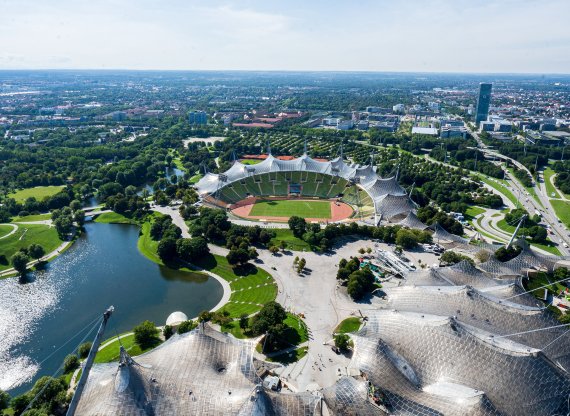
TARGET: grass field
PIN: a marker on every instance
(293, 243)
(30, 218)
(250, 161)
(499, 187)
(113, 218)
(251, 286)
(39, 192)
(5, 230)
(26, 235)
(550, 189)
(562, 209)
(351, 324)
(112, 351)
(288, 208)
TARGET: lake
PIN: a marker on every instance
(54, 306)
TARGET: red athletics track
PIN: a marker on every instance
(339, 211)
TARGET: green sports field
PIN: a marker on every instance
(288, 208)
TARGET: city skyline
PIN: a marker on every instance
(451, 37)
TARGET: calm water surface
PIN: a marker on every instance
(102, 268)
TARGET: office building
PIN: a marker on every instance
(197, 117)
(483, 101)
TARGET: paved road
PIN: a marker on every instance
(527, 201)
(175, 215)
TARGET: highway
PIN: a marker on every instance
(560, 233)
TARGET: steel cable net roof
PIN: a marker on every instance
(412, 221)
(527, 259)
(389, 198)
(431, 364)
(201, 373)
(350, 397)
(484, 310)
(462, 273)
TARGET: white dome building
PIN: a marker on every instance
(176, 318)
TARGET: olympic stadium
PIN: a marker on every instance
(330, 191)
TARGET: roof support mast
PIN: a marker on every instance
(89, 363)
(516, 231)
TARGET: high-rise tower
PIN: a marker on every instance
(483, 101)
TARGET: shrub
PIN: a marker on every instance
(84, 349)
(146, 334)
(70, 363)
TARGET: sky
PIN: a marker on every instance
(475, 36)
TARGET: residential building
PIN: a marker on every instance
(398, 108)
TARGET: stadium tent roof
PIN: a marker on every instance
(202, 372)
(431, 364)
(389, 198)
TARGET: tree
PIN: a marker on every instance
(282, 245)
(243, 321)
(205, 316)
(19, 403)
(4, 400)
(237, 257)
(451, 257)
(167, 331)
(361, 250)
(298, 225)
(341, 341)
(20, 261)
(36, 251)
(186, 326)
(406, 239)
(270, 315)
(146, 334)
(166, 249)
(368, 250)
(84, 349)
(191, 249)
(79, 217)
(273, 249)
(70, 363)
(63, 226)
(360, 282)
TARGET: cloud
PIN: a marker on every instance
(437, 35)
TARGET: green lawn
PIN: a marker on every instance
(499, 187)
(30, 218)
(562, 209)
(39, 192)
(26, 235)
(290, 357)
(293, 243)
(548, 246)
(146, 245)
(351, 324)
(5, 230)
(473, 211)
(550, 189)
(112, 351)
(113, 218)
(252, 287)
(288, 208)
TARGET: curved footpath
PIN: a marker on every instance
(14, 229)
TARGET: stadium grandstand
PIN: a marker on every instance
(378, 199)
